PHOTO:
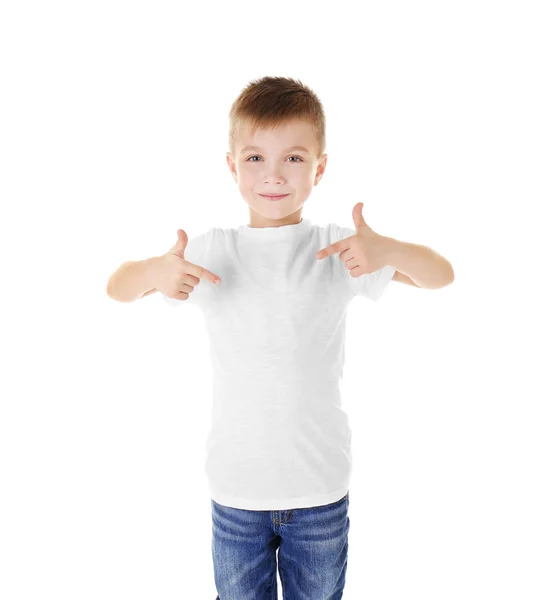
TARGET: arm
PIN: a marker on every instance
(371, 257)
(149, 292)
(422, 265)
(401, 278)
(133, 280)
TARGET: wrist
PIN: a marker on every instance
(152, 269)
(390, 248)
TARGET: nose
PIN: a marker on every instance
(274, 177)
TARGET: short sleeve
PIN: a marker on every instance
(369, 285)
(195, 252)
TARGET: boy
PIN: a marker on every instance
(278, 454)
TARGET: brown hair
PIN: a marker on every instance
(271, 101)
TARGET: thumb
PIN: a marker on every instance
(358, 219)
(181, 244)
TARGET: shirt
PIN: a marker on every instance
(279, 438)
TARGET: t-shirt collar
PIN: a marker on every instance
(275, 233)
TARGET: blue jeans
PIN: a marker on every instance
(311, 545)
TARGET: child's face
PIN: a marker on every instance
(274, 169)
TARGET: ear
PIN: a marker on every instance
(232, 165)
(321, 168)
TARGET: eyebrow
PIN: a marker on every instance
(302, 148)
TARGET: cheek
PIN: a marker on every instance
(247, 171)
(245, 178)
(302, 177)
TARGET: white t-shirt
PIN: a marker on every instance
(279, 438)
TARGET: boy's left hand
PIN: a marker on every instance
(363, 252)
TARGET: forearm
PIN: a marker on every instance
(424, 266)
(132, 279)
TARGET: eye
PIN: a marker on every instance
(256, 156)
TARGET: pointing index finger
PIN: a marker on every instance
(331, 249)
(203, 273)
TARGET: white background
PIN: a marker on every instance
(114, 124)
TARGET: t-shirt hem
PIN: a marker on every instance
(310, 501)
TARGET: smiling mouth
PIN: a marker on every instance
(273, 197)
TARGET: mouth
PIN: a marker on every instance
(273, 196)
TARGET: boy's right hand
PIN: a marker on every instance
(176, 277)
